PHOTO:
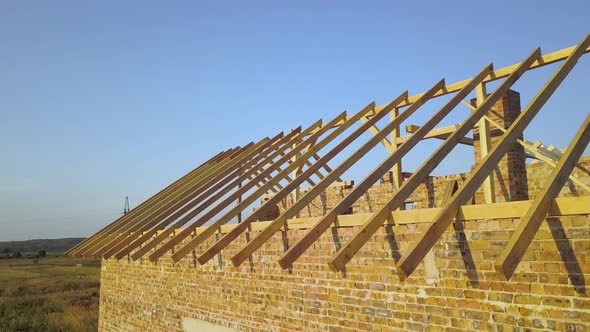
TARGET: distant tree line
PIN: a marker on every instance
(34, 247)
(9, 253)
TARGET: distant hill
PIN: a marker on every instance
(49, 245)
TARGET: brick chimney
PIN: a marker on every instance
(510, 178)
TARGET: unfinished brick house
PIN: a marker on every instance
(503, 247)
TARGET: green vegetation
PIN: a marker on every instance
(35, 247)
(49, 294)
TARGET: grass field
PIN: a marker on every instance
(49, 294)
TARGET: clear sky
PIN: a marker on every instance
(105, 99)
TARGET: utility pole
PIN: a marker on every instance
(126, 208)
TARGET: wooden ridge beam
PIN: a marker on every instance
(258, 171)
(530, 223)
(410, 261)
(485, 145)
(299, 204)
(396, 170)
(544, 60)
(248, 200)
(349, 249)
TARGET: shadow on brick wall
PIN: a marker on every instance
(566, 251)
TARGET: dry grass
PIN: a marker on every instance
(49, 294)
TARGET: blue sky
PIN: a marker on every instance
(105, 99)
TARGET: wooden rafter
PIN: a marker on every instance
(252, 197)
(348, 250)
(410, 261)
(314, 192)
(538, 153)
(299, 204)
(530, 223)
(99, 240)
(282, 164)
(150, 201)
(315, 232)
(375, 130)
(185, 193)
(184, 205)
(208, 201)
(292, 185)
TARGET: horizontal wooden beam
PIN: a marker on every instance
(440, 133)
(544, 60)
(561, 206)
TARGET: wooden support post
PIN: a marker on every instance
(485, 145)
(240, 199)
(396, 170)
(348, 250)
(450, 190)
(410, 261)
(296, 192)
(530, 223)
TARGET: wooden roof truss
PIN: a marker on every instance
(191, 210)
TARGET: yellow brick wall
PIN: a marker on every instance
(458, 290)
(432, 192)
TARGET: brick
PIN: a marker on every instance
(541, 295)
